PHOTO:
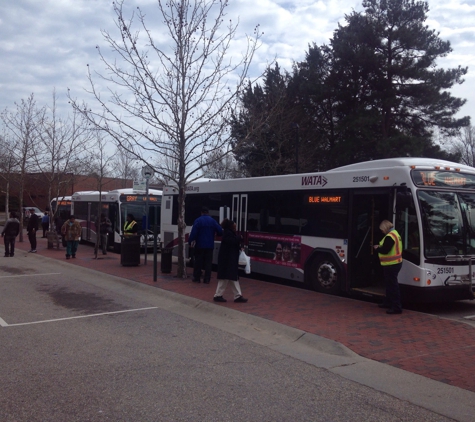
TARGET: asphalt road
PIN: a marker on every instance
(78, 345)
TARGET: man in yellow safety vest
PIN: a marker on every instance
(390, 256)
(130, 226)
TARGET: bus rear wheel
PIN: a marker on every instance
(325, 276)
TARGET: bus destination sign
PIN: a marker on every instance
(448, 179)
(320, 199)
(138, 198)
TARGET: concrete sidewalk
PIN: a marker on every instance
(435, 348)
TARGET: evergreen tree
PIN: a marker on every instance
(264, 131)
(374, 92)
(391, 95)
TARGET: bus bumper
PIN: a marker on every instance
(452, 293)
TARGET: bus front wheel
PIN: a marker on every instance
(325, 276)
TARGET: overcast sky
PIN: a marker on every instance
(47, 44)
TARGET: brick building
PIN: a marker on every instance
(37, 184)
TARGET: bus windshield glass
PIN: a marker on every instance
(448, 219)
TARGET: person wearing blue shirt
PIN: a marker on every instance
(202, 240)
(45, 223)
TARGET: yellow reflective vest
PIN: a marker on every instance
(394, 256)
(128, 227)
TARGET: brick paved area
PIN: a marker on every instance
(435, 348)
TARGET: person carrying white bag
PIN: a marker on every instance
(228, 263)
(246, 261)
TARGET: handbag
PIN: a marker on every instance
(246, 261)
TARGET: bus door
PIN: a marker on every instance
(239, 212)
(87, 234)
(367, 210)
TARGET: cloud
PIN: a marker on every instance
(47, 44)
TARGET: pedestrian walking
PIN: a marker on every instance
(390, 256)
(9, 234)
(45, 223)
(228, 263)
(31, 229)
(202, 241)
(71, 232)
(105, 228)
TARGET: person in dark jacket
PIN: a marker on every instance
(228, 261)
(105, 229)
(202, 241)
(9, 234)
(31, 230)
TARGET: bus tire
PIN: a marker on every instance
(325, 276)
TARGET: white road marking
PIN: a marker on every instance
(469, 317)
(27, 275)
(4, 324)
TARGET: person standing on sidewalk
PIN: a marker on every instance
(390, 256)
(202, 240)
(228, 263)
(105, 227)
(130, 226)
(45, 223)
(71, 232)
(9, 234)
(31, 229)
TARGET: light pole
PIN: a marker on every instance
(147, 173)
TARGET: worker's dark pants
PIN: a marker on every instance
(393, 295)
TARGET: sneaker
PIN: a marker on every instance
(67, 257)
(240, 299)
(206, 281)
(394, 311)
(33, 251)
(12, 254)
(219, 299)
(196, 280)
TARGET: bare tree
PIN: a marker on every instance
(24, 127)
(464, 145)
(173, 96)
(100, 165)
(8, 164)
(224, 167)
(125, 165)
(63, 142)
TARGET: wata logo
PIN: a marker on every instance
(314, 181)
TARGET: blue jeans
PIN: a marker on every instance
(71, 247)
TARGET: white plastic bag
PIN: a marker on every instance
(246, 261)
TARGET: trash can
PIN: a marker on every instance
(130, 251)
(166, 260)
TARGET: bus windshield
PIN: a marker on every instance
(449, 223)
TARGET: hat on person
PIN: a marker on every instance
(71, 217)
